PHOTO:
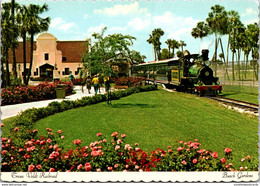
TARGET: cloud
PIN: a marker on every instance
(62, 25)
(173, 25)
(139, 24)
(249, 11)
(86, 16)
(95, 29)
(121, 9)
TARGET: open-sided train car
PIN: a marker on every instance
(190, 73)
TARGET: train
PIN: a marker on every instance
(188, 73)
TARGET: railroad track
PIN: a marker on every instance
(250, 107)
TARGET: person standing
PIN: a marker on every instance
(107, 83)
(95, 81)
(71, 78)
(88, 84)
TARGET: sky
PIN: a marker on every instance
(79, 19)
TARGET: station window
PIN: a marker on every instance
(67, 71)
(46, 56)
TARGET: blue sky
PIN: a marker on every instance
(79, 19)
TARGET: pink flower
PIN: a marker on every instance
(241, 168)
(181, 142)
(80, 166)
(62, 137)
(136, 144)
(214, 154)
(119, 141)
(38, 166)
(4, 152)
(194, 161)
(228, 150)
(248, 157)
(98, 170)
(110, 168)
(59, 132)
(123, 135)
(114, 134)
(169, 150)
(87, 166)
(55, 146)
(223, 160)
(116, 165)
(179, 149)
(77, 142)
(117, 147)
(99, 134)
(243, 159)
(196, 140)
(168, 147)
(183, 162)
(2, 124)
(52, 170)
(31, 168)
(16, 129)
(49, 140)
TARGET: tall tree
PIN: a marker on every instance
(182, 44)
(154, 39)
(217, 21)
(169, 42)
(34, 24)
(9, 37)
(174, 44)
(200, 31)
(107, 50)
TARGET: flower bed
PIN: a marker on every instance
(23, 94)
(44, 153)
(126, 81)
(78, 81)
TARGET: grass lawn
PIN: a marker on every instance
(156, 119)
(243, 93)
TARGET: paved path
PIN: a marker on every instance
(12, 110)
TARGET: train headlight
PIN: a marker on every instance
(207, 73)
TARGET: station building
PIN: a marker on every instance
(51, 58)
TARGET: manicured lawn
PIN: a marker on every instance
(243, 93)
(156, 119)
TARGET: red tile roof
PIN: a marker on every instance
(72, 50)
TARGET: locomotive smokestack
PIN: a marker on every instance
(205, 54)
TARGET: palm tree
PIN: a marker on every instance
(154, 39)
(9, 37)
(35, 24)
(174, 44)
(169, 42)
(200, 31)
(217, 21)
(182, 44)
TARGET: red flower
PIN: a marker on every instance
(77, 142)
(214, 154)
(52, 170)
(4, 152)
(114, 134)
(110, 168)
(123, 135)
(179, 149)
(194, 161)
(228, 150)
(2, 124)
(248, 157)
(88, 167)
(31, 168)
(16, 129)
(99, 134)
(183, 162)
(38, 166)
(223, 160)
(80, 166)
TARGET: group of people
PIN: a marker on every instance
(97, 83)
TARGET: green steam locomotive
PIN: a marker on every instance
(190, 73)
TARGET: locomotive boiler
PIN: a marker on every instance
(189, 73)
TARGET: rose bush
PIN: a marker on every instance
(125, 81)
(45, 153)
(23, 94)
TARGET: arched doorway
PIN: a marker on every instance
(46, 71)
